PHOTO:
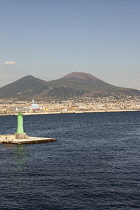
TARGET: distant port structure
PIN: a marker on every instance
(20, 137)
(34, 107)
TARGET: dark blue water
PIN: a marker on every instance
(95, 164)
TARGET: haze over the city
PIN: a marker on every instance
(51, 38)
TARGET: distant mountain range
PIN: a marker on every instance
(72, 85)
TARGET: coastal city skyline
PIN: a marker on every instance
(49, 39)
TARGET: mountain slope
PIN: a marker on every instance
(65, 92)
(71, 85)
(26, 86)
(79, 81)
(83, 81)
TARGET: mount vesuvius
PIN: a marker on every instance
(72, 85)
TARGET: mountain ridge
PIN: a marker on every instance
(71, 85)
(28, 85)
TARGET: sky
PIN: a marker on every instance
(51, 38)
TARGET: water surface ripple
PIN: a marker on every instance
(95, 164)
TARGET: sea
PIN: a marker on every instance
(94, 164)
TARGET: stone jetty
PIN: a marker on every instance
(20, 137)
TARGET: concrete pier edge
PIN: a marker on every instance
(11, 139)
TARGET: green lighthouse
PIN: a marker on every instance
(20, 131)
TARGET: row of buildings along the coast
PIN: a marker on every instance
(72, 105)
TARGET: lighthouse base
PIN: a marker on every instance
(21, 136)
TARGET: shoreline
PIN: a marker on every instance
(67, 112)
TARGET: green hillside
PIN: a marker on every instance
(71, 85)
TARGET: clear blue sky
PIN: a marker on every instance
(51, 38)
